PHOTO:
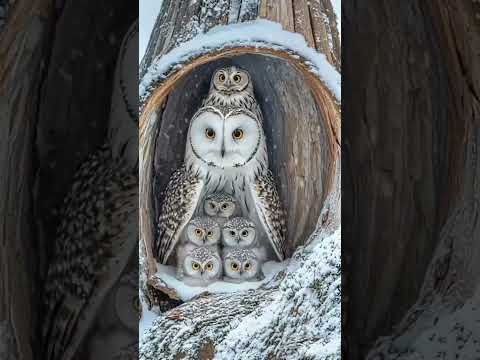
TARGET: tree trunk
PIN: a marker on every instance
(51, 120)
(302, 125)
(416, 192)
(23, 47)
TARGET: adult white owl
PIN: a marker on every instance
(225, 151)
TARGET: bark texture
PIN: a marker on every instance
(53, 114)
(23, 47)
(414, 88)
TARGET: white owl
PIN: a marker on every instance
(242, 264)
(225, 151)
(220, 206)
(201, 266)
(239, 232)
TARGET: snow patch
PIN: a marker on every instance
(337, 8)
(187, 292)
(258, 34)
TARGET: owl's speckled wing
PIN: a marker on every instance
(181, 198)
(270, 212)
(96, 238)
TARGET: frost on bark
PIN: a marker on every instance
(444, 322)
(297, 313)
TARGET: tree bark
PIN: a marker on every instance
(415, 89)
(23, 47)
(51, 119)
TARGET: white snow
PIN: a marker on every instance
(147, 317)
(307, 308)
(148, 11)
(187, 292)
(259, 34)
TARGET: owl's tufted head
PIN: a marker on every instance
(231, 80)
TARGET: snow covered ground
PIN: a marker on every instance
(186, 292)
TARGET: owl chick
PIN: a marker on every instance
(220, 206)
(239, 232)
(242, 264)
(202, 231)
(200, 265)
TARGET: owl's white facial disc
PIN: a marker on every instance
(241, 264)
(203, 231)
(239, 232)
(202, 264)
(230, 80)
(220, 204)
(229, 142)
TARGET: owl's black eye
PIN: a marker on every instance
(224, 207)
(247, 266)
(232, 233)
(212, 205)
(221, 77)
(234, 266)
(209, 233)
(244, 233)
(237, 78)
(237, 134)
(210, 133)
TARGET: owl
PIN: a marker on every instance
(220, 206)
(97, 235)
(239, 232)
(225, 151)
(203, 231)
(241, 264)
(232, 87)
(201, 266)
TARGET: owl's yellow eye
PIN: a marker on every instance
(209, 234)
(210, 133)
(234, 266)
(198, 232)
(237, 78)
(209, 266)
(224, 206)
(247, 266)
(195, 266)
(237, 134)
(221, 77)
(232, 233)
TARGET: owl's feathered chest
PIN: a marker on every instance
(237, 181)
(226, 102)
